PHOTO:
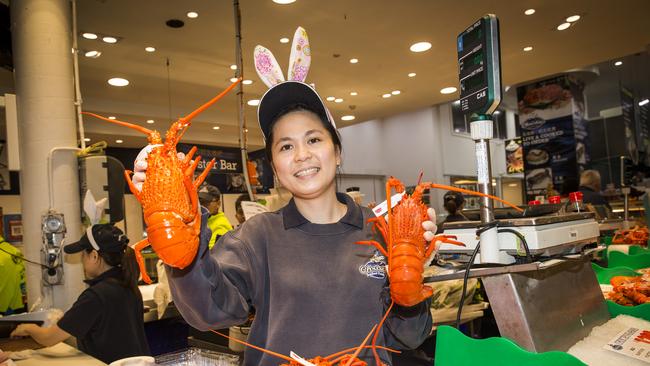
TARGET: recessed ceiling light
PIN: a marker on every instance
(87, 139)
(528, 48)
(412, 74)
(448, 90)
(89, 35)
(232, 80)
(330, 99)
(119, 141)
(245, 82)
(118, 82)
(215, 127)
(192, 14)
(497, 112)
(347, 118)
(253, 102)
(233, 67)
(150, 121)
(354, 94)
(387, 95)
(283, 2)
(284, 40)
(529, 11)
(338, 100)
(563, 26)
(573, 18)
(92, 54)
(245, 129)
(108, 39)
(644, 102)
(456, 102)
(111, 117)
(618, 63)
(354, 60)
(150, 49)
(420, 46)
(396, 92)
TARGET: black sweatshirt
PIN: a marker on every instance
(315, 292)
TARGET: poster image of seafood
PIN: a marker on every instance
(548, 137)
(514, 156)
(629, 122)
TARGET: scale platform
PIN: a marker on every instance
(545, 235)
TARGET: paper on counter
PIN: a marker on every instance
(632, 342)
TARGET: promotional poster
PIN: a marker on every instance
(514, 156)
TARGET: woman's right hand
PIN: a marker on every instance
(140, 166)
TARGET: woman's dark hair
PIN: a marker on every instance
(126, 261)
(299, 107)
(453, 201)
(450, 206)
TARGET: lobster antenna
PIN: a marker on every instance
(255, 347)
(374, 339)
(474, 193)
(356, 353)
(144, 130)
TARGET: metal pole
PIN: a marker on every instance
(77, 89)
(240, 99)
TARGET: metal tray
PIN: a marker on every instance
(197, 357)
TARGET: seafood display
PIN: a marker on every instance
(636, 235)
(169, 196)
(407, 250)
(630, 290)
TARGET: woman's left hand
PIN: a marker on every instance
(430, 226)
(22, 330)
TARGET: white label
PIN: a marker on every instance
(252, 208)
(482, 163)
(300, 360)
(382, 208)
(631, 342)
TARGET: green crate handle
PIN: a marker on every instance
(636, 261)
(639, 311)
(453, 348)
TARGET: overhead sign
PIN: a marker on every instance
(479, 66)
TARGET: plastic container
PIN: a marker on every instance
(453, 348)
(197, 357)
(576, 202)
(604, 275)
(554, 200)
(635, 261)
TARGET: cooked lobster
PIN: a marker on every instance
(636, 235)
(169, 196)
(630, 290)
(407, 250)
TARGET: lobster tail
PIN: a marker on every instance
(175, 242)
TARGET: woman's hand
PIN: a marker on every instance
(430, 226)
(22, 330)
(140, 166)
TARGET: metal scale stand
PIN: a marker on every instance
(541, 306)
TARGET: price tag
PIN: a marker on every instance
(300, 360)
(382, 208)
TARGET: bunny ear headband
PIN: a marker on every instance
(283, 93)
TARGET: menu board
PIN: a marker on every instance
(514, 156)
(629, 123)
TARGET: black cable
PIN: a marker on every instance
(25, 259)
(465, 279)
(529, 257)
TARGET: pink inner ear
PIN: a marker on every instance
(267, 67)
(300, 58)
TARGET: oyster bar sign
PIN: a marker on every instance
(227, 160)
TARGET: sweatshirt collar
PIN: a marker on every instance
(115, 272)
(293, 218)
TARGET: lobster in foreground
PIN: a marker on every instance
(169, 196)
(341, 358)
(407, 250)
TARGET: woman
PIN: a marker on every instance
(454, 203)
(107, 318)
(315, 292)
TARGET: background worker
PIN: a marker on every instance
(454, 202)
(590, 188)
(210, 198)
(12, 279)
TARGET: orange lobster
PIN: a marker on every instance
(407, 248)
(630, 290)
(169, 196)
(341, 358)
(636, 235)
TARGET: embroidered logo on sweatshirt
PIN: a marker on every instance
(375, 267)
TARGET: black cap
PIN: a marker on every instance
(207, 193)
(457, 197)
(282, 95)
(100, 237)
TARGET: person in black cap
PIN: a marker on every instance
(315, 292)
(453, 202)
(210, 198)
(108, 317)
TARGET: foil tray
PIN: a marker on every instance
(197, 357)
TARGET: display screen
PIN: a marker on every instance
(473, 37)
(473, 82)
(475, 59)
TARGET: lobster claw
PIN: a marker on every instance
(448, 239)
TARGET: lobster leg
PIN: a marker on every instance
(380, 224)
(189, 156)
(443, 238)
(204, 174)
(138, 257)
(135, 191)
(375, 244)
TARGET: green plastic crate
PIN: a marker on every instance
(635, 249)
(635, 261)
(604, 275)
(453, 348)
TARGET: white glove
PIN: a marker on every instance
(430, 225)
(140, 166)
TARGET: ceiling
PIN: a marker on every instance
(377, 32)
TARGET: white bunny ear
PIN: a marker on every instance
(267, 67)
(300, 58)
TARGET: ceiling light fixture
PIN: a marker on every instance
(448, 90)
(118, 82)
(644, 102)
(387, 95)
(150, 121)
(412, 74)
(215, 127)
(108, 39)
(618, 63)
(92, 54)
(563, 26)
(330, 99)
(354, 60)
(232, 80)
(119, 141)
(233, 67)
(284, 2)
(192, 15)
(89, 35)
(111, 117)
(338, 100)
(87, 139)
(528, 48)
(245, 82)
(253, 102)
(150, 49)
(284, 40)
(420, 46)
(573, 18)
(396, 92)
(245, 129)
(354, 94)
(347, 118)
(529, 11)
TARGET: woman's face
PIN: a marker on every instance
(304, 155)
(90, 263)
